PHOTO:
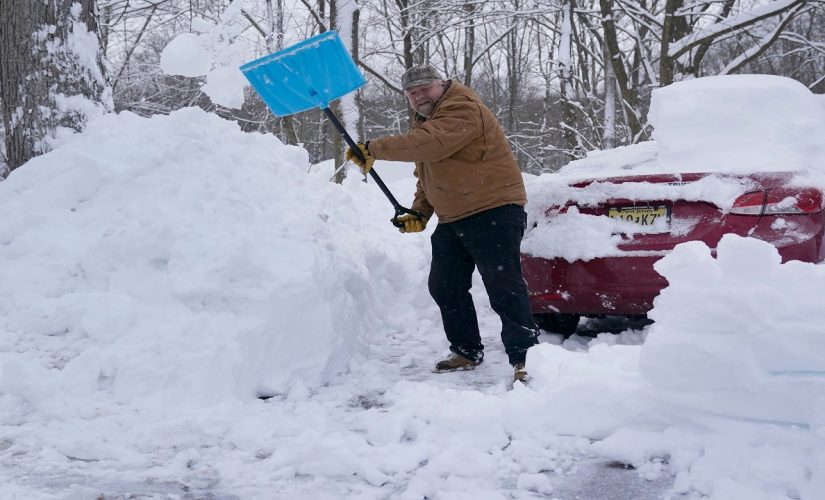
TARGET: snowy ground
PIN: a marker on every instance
(159, 276)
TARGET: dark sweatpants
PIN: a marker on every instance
(489, 240)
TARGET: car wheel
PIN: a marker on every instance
(564, 324)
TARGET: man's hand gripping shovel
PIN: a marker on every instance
(311, 74)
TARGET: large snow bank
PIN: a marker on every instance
(752, 347)
(172, 260)
(728, 388)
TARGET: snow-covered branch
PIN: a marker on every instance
(728, 25)
(762, 45)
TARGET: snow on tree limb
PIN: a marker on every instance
(730, 25)
(763, 44)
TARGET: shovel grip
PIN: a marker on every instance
(399, 211)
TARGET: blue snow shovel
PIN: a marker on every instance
(311, 74)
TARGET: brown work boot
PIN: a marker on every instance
(520, 374)
(455, 362)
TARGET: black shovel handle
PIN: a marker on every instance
(399, 209)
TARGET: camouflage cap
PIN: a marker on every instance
(419, 74)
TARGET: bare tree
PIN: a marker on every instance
(617, 60)
(566, 76)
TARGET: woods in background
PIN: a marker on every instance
(563, 76)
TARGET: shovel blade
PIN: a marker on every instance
(307, 75)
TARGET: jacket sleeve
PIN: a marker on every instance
(454, 126)
(420, 201)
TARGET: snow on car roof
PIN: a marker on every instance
(726, 124)
(737, 124)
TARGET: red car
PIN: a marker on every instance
(741, 154)
(647, 215)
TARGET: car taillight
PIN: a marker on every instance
(556, 209)
(749, 204)
(806, 201)
(779, 202)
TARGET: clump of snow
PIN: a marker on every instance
(741, 350)
(223, 84)
(216, 52)
(167, 268)
(186, 55)
(738, 123)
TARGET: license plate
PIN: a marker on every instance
(644, 216)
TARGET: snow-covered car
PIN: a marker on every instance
(736, 154)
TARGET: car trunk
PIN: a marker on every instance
(627, 283)
(667, 223)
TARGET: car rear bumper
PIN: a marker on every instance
(623, 285)
(614, 285)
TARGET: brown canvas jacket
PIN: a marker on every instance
(463, 160)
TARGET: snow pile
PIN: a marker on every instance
(147, 263)
(752, 346)
(749, 122)
(158, 274)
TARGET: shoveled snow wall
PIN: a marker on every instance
(176, 260)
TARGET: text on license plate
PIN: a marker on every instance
(645, 216)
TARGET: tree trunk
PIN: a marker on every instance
(546, 68)
(356, 55)
(513, 69)
(47, 83)
(566, 78)
(609, 134)
(404, 20)
(287, 124)
(339, 173)
(469, 42)
(666, 63)
(628, 94)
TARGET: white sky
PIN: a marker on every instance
(156, 274)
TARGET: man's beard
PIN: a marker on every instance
(425, 110)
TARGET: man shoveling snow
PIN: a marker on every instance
(468, 176)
